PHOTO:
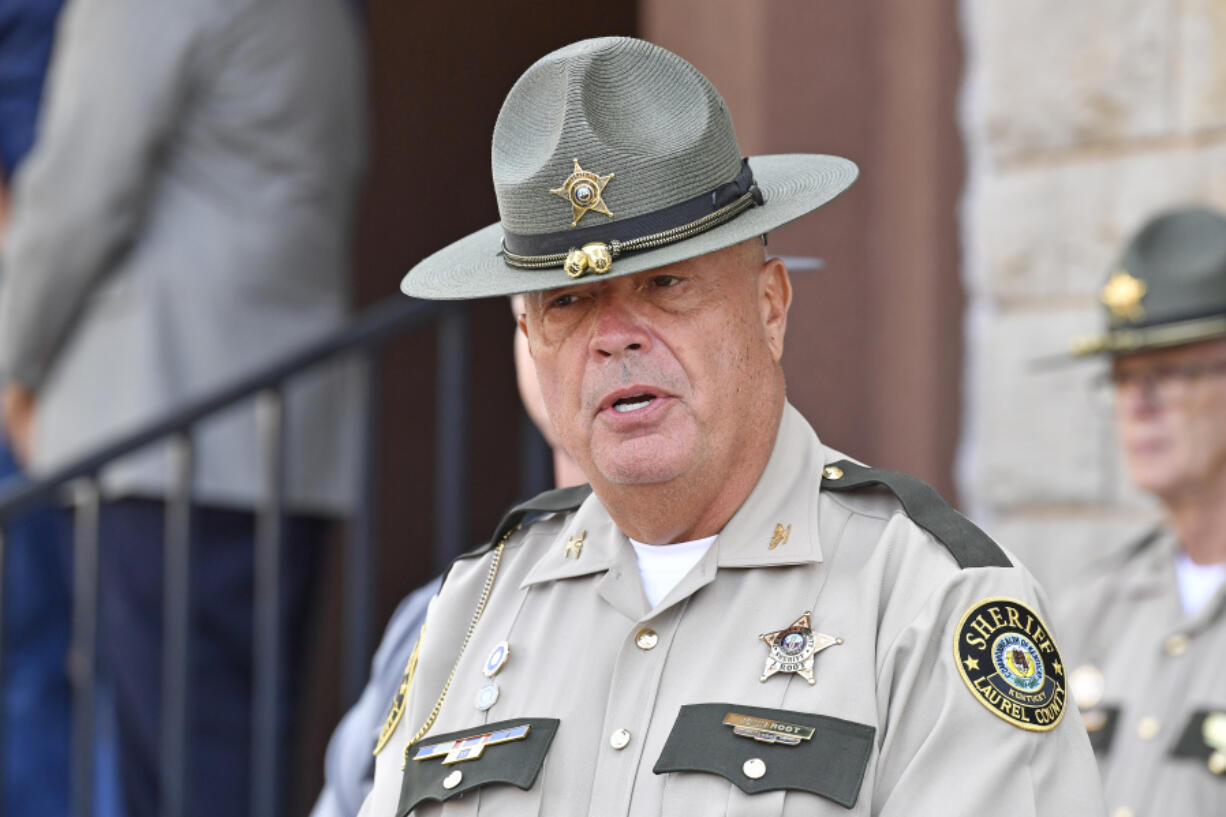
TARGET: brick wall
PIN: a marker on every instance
(1080, 120)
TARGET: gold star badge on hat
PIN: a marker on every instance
(1122, 295)
(792, 648)
(583, 190)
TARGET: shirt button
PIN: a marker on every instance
(452, 780)
(1122, 811)
(1176, 644)
(754, 768)
(619, 739)
(1148, 728)
(1094, 719)
(1217, 762)
(646, 639)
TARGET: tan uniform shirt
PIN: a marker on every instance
(895, 723)
(1159, 673)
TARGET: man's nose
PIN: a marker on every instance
(619, 329)
(1140, 394)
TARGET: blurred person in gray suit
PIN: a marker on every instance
(183, 218)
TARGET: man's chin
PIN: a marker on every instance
(642, 464)
(638, 473)
(1163, 483)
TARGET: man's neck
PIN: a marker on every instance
(662, 514)
(682, 509)
(1199, 520)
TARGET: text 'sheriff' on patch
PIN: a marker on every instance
(1010, 663)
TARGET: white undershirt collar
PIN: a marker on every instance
(663, 566)
(1197, 583)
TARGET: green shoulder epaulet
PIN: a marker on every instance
(558, 500)
(969, 546)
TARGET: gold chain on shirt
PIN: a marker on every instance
(472, 626)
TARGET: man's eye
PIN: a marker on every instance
(665, 280)
(564, 300)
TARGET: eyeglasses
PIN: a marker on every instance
(1168, 381)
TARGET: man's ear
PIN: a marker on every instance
(775, 297)
(521, 320)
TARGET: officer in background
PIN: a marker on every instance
(1147, 631)
(733, 618)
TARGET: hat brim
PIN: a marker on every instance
(1127, 341)
(791, 184)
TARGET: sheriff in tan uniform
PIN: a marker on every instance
(1147, 628)
(842, 641)
(1150, 679)
(642, 697)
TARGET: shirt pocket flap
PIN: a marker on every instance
(440, 767)
(1100, 723)
(1204, 739)
(761, 750)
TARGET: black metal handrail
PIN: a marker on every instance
(375, 326)
(363, 339)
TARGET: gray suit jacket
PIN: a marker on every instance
(183, 218)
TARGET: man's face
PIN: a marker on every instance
(1171, 417)
(663, 374)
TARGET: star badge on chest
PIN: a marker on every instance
(792, 649)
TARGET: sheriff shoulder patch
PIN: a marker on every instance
(400, 700)
(1009, 662)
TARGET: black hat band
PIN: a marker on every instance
(648, 231)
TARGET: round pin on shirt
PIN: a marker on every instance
(487, 696)
(498, 658)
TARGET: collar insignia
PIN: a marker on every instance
(583, 190)
(574, 545)
(780, 536)
(792, 649)
(1122, 295)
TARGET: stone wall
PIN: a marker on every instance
(1080, 120)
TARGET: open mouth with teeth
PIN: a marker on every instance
(632, 403)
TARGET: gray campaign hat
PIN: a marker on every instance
(613, 156)
(1168, 287)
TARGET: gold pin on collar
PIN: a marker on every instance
(574, 545)
(780, 536)
(583, 190)
(1122, 295)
